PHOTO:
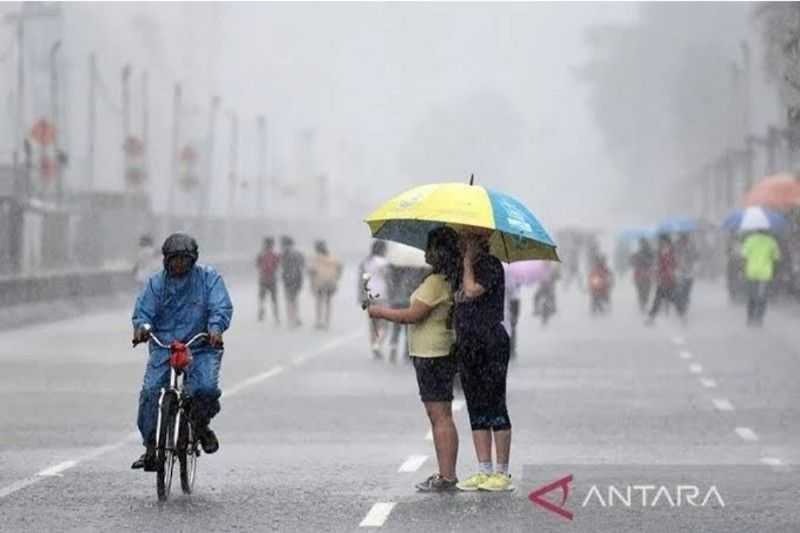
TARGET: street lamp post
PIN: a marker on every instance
(176, 114)
(54, 119)
(262, 164)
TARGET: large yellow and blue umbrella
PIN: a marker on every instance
(517, 235)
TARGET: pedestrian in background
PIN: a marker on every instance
(430, 345)
(376, 266)
(267, 264)
(685, 265)
(325, 272)
(147, 260)
(665, 277)
(483, 349)
(642, 264)
(292, 272)
(761, 252)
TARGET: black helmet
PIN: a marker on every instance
(180, 244)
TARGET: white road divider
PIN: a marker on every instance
(722, 404)
(378, 514)
(708, 383)
(413, 463)
(747, 434)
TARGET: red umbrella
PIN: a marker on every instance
(781, 192)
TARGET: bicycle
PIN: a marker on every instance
(175, 435)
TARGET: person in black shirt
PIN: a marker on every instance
(292, 268)
(483, 349)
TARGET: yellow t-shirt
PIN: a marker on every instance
(431, 338)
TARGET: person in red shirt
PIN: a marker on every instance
(267, 263)
(665, 276)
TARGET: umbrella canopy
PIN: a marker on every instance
(516, 234)
(781, 192)
(677, 225)
(528, 272)
(754, 218)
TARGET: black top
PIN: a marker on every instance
(479, 315)
(292, 265)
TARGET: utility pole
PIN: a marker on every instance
(262, 164)
(749, 155)
(54, 120)
(176, 117)
(20, 115)
(746, 87)
(233, 162)
(92, 122)
(145, 122)
(209, 174)
(126, 122)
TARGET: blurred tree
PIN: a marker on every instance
(779, 23)
(667, 93)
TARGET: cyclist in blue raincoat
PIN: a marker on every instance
(177, 303)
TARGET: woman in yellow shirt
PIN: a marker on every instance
(430, 339)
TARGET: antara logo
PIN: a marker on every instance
(537, 496)
(627, 496)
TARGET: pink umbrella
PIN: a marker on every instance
(527, 272)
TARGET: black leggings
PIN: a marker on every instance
(483, 365)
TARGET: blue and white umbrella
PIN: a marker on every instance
(753, 219)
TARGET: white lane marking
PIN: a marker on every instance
(680, 341)
(458, 405)
(56, 470)
(377, 515)
(413, 463)
(771, 461)
(429, 435)
(685, 355)
(335, 343)
(694, 368)
(747, 434)
(708, 383)
(254, 380)
(723, 404)
(18, 485)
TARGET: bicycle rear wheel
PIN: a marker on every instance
(187, 454)
(165, 452)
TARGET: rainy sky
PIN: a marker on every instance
(377, 96)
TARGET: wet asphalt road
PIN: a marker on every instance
(313, 430)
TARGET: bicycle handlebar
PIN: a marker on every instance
(152, 336)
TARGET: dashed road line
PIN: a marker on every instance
(378, 514)
(685, 355)
(56, 470)
(251, 381)
(695, 368)
(680, 341)
(771, 461)
(747, 434)
(708, 383)
(413, 463)
(722, 404)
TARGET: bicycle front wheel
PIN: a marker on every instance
(165, 452)
(187, 455)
